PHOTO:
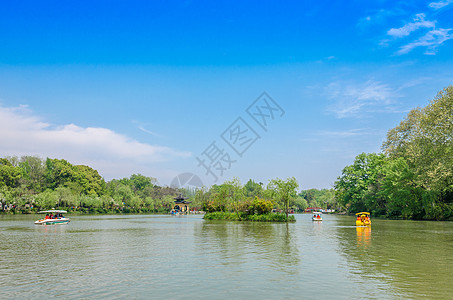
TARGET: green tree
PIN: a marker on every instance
(47, 199)
(425, 140)
(90, 201)
(84, 179)
(89, 179)
(6, 195)
(123, 195)
(140, 182)
(300, 203)
(252, 189)
(9, 175)
(202, 198)
(285, 191)
(65, 197)
(234, 194)
(33, 170)
(261, 206)
(404, 198)
(358, 187)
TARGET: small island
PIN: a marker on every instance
(231, 201)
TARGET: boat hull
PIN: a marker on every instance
(53, 221)
(364, 223)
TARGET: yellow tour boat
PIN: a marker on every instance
(363, 219)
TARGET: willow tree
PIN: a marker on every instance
(284, 191)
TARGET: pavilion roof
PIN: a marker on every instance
(181, 200)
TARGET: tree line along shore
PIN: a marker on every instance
(29, 184)
(412, 178)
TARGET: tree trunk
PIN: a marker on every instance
(287, 206)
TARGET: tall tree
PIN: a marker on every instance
(9, 175)
(234, 194)
(285, 191)
(358, 186)
(425, 140)
(33, 169)
(59, 172)
(252, 188)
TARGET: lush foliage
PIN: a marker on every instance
(231, 200)
(243, 216)
(324, 198)
(30, 183)
(285, 191)
(413, 178)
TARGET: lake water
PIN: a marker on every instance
(170, 257)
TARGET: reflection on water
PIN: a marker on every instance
(363, 236)
(412, 257)
(172, 257)
(246, 246)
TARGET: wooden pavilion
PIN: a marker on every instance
(181, 206)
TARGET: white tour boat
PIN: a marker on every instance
(55, 217)
(317, 216)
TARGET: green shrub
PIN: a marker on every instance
(261, 206)
(242, 216)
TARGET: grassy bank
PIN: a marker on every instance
(271, 217)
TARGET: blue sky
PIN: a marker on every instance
(147, 86)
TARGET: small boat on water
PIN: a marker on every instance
(317, 216)
(363, 219)
(53, 217)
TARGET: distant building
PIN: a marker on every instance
(312, 209)
(181, 206)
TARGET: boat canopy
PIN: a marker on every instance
(362, 213)
(317, 212)
(53, 211)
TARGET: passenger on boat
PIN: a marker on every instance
(51, 216)
(47, 216)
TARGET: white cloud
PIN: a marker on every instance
(440, 4)
(431, 40)
(22, 133)
(352, 99)
(419, 22)
(141, 127)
